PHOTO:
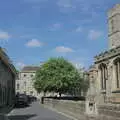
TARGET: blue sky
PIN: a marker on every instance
(31, 31)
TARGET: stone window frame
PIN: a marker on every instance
(103, 75)
(24, 75)
(116, 63)
(112, 25)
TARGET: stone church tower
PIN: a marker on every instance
(114, 26)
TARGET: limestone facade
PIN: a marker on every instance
(106, 70)
(25, 82)
(108, 75)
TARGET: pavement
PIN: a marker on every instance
(35, 111)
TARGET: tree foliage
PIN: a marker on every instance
(57, 75)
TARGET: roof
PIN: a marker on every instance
(107, 54)
(30, 68)
(6, 60)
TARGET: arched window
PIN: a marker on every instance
(117, 71)
(103, 75)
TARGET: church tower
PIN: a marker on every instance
(114, 26)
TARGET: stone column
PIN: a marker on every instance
(103, 77)
(108, 83)
(118, 72)
(99, 82)
(114, 81)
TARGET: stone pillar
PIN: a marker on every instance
(98, 82)
(103, 77)
(108, 84)
(114, 81)
(118, 72)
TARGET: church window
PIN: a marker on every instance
(112, 25)
(104, 76)
(117, 72)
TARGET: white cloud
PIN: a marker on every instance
(20, 65)
(79, 29)
(4, 35)
(93, 34)
(63, 49)
(34, 43)
(55, 27)
(66, 5)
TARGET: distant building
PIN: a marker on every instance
(7, 81)
(25, 82)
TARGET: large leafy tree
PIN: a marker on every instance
(57, 75)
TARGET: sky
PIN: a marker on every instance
(32, 31)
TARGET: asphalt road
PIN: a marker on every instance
(35, 112)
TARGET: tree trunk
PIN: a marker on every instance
(44, 94)
(59, 94)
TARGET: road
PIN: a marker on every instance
(35, 112)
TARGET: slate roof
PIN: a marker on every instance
(30, 68)
(107, 54)
(4, 57)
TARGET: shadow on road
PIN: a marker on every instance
(21, 106)
(21, 117)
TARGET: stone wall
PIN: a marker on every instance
(78, 109)
(72, 108)
(109, 111)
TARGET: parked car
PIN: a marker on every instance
(22, 99)
(31, 98)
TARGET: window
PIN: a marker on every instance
(104, 76)
(112, 25)
(32, 75)
(18, 86)
(117, 72)
(25, 75)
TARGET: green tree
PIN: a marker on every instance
(57, 75)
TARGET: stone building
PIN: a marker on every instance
(7, 81)
(107, 64)
(25, 82)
